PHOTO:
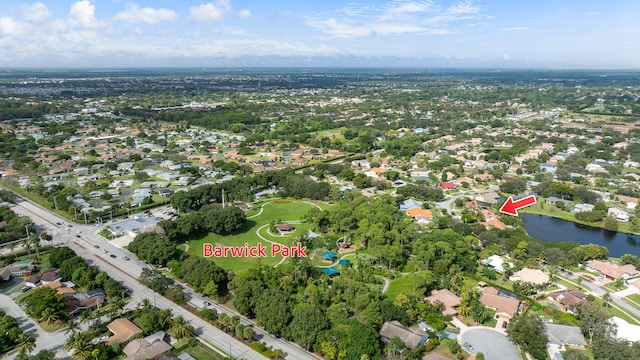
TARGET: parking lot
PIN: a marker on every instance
(492, 343)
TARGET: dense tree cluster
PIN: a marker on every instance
(11, 331)
(527, 330)
(421, 192)
(15, 227)
(200, 272)
(211, 218)
(74, 268)
(153, 248)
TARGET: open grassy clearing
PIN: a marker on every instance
(276, 210)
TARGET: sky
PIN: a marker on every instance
(423, 33)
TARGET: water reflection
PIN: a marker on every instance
(551, 229)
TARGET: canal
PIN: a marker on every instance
(546, 228)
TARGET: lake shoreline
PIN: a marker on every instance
(552, 229)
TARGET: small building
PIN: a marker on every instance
(447, 298)
(285, 228)
(410, 337)
(123, 330)
(330, 271)
(583, 208)
(533, 276)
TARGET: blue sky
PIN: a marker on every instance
(467, 33)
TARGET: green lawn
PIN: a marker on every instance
(276, 210)
(401, 285)
(200, 353)
(634, 297)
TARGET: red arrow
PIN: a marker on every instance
(511, 207)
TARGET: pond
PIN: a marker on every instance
(546, 228)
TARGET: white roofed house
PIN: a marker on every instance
(497, 263)
(618, 214)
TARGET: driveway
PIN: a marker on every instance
(492, 343)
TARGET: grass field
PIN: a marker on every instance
(276, 210)
(330, 132)
(401, 285)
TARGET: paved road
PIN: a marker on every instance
(599, 291)
(127, 273)
(44, 340)
(492, 343)
(449, 202)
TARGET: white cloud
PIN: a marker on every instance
(210, 12)
(36, 12)
(82, 13)
(244, 13)
(134, 13)
(409, 7)
(344, 30)
(516, 28)
(10, 27)
(398, 17)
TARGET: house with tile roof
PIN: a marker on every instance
(505, 307)
(447, 298)
(612, 271)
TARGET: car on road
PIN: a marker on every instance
(113, 256)
(96, 246)
(206, 303)
(105, 251)
(468, 346)
(58, 223)
(78, 236)
(126, 258)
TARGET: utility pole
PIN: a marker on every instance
(85, 217)
(223, 198)
(55, 202)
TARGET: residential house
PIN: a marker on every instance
(447, 298)
(420, 215)
(150, 347)
(122, 329)
(583, 208)
(630, 201)
(533, 276)
(496, 263)
(410, 337)
(612, 271)
(564, 335)
(568, 299)
(44, 277)
(410, 204)
(618, 214)
(491, 197)
(447, 185)
(505, 307)
(553, 200)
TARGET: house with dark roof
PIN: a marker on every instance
(568, 299)
(410, 337)
(285, 228)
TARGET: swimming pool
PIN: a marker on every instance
(21, 264)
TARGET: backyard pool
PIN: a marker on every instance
(21, 264)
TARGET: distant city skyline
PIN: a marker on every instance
(427, 33)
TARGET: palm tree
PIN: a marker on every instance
(25, 344)
(165, 317)
(181, 328)
(82, 349)
(71, 327)
(117, 307)
(145, 305)
(26, 243)
(49, 315)
(12, 247)
(85, 317)
(35, 241)
(606, 297)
